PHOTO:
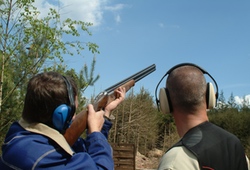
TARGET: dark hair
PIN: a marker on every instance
(187, 87)
(45, 92)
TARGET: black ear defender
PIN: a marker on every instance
(63, 114)
(164, 102)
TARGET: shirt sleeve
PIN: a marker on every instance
(106, 127)
(80, 144)
(96, 149)
(178, 158)
(97, 155)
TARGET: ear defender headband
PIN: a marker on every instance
(63, 114)
(164, 102)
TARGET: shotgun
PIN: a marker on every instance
(79, 124)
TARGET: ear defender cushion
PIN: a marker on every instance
(164, 102)
(211, 101)
(60, 116)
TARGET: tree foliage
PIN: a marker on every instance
(32, 44)
(136, 121)
(29, 44)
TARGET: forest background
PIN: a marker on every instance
(30, 45)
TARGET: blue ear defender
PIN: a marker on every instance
(62, 115)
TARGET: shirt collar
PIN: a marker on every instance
(45, 130)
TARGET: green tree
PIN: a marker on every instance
(167, 134)
(221, 102)
(30, 44)
(231, 102)
(245, 105)
(136, 121)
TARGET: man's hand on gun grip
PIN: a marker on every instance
(95, 119)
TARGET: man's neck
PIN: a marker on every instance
(184, 122)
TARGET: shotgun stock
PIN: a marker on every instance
(79, 124)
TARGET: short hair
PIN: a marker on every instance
(187, 87)
(45, 92)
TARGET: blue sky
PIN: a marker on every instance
(133, 34)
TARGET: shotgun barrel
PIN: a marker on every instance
(103, 98)
(136, 77)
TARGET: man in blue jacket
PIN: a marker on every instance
(37, 141)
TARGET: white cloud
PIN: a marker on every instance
(240, 100)
(114, 8)
(84, 10)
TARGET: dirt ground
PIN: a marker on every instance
(148, 162)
